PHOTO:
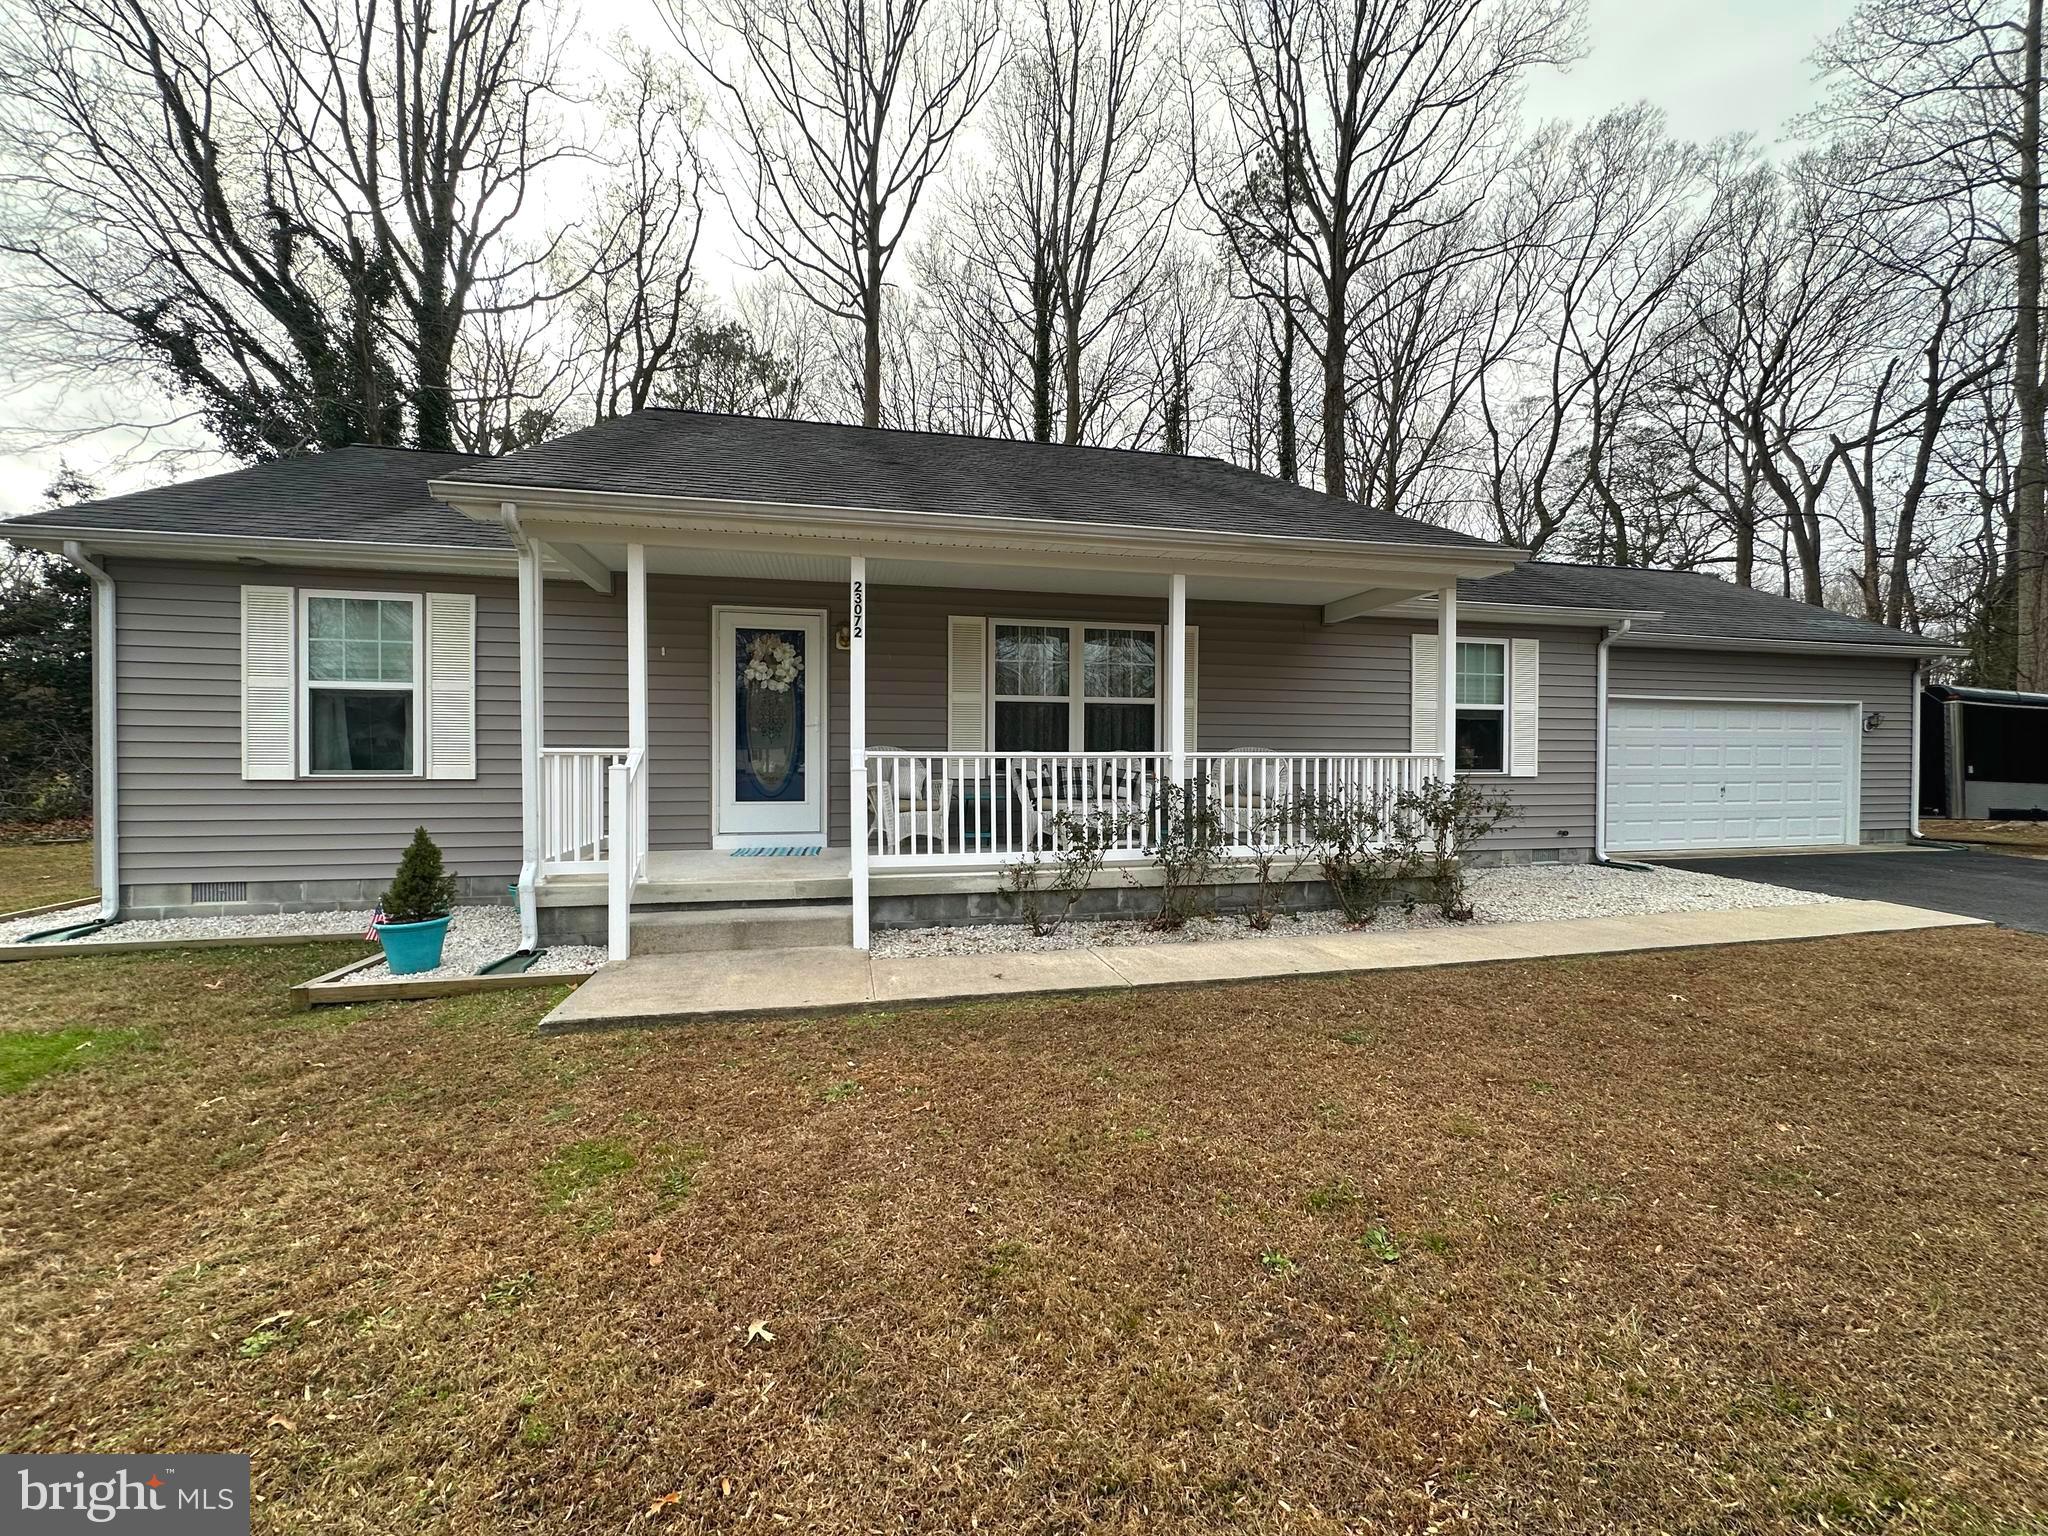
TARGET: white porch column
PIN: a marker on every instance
(1447, 674)
(532, 737)
(857, 742)
(636, 684)
(1177, 677)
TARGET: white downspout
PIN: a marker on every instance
(1913, 826)
(106, 787)
(1600, 739)
(530, 726)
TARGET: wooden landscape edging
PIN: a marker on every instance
(335, 987)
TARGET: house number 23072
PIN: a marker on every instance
(860, 610)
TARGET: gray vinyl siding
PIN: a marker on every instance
(186, 812)
(1884, 685)
(1269, 676)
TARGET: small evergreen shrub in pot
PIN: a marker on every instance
(417, 907)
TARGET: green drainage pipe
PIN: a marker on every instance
(511, 965)
(56, 935)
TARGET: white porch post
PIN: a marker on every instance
(1177, 676)
(636, 686)
(532, 737)
(857, 742)
(1447, 675)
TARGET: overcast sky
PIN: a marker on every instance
(1719, 67)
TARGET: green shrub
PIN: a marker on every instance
(422, 889)
(1184, 838)
(1451, 820)
(1362, 844)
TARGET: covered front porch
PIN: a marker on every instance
(942, 713)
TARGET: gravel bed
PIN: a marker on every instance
(481, 934)
(1518, 894)
(478, 935)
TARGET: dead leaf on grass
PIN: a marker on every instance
(759, 1331)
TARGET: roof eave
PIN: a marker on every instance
(1906, 648)
(1528, 613)
(627, 510)
(166, 544)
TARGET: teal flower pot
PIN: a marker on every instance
(413, 947)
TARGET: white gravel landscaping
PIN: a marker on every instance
(1517, 894)
(478, 935)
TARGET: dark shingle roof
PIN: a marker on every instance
(807, 463)
(1690, 602)
(352, 495)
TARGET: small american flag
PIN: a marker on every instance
(376, 917)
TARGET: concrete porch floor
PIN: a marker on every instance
(655, 989)
(678, 876)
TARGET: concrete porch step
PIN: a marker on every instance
(708, 930)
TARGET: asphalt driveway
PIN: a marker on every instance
(2004, 888)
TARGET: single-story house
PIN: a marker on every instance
(1983, 753)
(685, 659)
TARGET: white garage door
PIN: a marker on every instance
(1691, 773)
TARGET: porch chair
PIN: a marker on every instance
(1241, 801)
(902, 805)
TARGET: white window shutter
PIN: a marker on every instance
(966, 684)
(1523, 689)
(1424, 694)
(270, 684)
(1194, 668)
(450, 712)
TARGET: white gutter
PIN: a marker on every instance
(1875, 650)
(1600, 739)
(106, 788)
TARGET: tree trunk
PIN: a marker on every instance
(1070, 364)
(1041, 362)
(1336, 324)
(1289, 451)
(871, 343)
(2029, 557)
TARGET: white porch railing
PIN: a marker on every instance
(933, 809)
(572, 809)
(626, 843)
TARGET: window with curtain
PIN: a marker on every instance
(1076, 688)
(1120, 676)
(1033, 693)
(361, 682)
(1482, 733)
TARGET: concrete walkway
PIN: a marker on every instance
(663, 988)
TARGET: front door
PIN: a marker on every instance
(768, 727)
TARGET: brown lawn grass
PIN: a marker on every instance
(36, 874)
(1747, 1239)
(2029, 835)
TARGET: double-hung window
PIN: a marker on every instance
(1076, 687)
(361, 682)
(1482, 733)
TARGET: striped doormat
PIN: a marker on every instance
(776, 853)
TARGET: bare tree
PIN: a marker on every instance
(1601, 228)
(842, 111)
(633, 308)
(285, 206)
(434, 117)
(1948, 94)
(1106, 107)
(1383, 118)
(154, 219)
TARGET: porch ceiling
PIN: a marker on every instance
(884, 571)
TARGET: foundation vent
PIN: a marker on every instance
(220, 890)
